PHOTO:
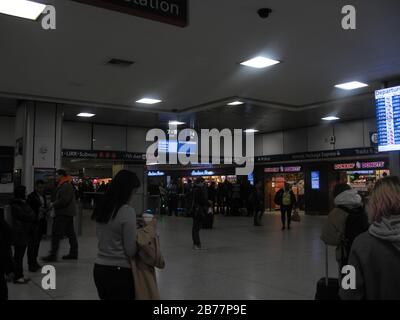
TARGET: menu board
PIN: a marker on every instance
(388, 118)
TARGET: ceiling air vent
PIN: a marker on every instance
(120, 62)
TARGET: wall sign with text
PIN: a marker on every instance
(173, 12)
(283, 169)
(105, 155)
(360, 165)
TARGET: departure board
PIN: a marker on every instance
(388, 118)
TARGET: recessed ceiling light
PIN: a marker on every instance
(235, 103)
(251, 130)
(148, 101)
(259, 62)
(351, 85)
(22, 8)
(330, 118)
(176, 123)
(85, 115)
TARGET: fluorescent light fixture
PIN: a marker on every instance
(330, 118)
(259, 62)
(351, 85)
(235, 103)
(22, 8)
(148, 101)
(85, 115)
(250, 130)
(175, 123)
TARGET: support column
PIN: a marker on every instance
(38, 133)
(394, 163)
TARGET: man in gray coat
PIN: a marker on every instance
(65, 209)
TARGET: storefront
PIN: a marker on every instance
(361, 175)
(182, 175)
(314, 175)
(275, 178)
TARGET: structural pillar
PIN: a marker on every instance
(394, 163)
(38, 134)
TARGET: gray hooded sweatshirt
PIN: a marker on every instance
(375, 255)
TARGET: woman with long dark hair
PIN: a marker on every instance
(116, 232)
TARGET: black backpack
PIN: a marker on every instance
(356, 223)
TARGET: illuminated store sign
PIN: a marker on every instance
(156, 173)
(283, 169)
(360, 165)
(202, 173)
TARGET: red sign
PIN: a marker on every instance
(272, 170)
(345, 166)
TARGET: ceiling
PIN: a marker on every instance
(195, 70)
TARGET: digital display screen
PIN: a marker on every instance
(315, 180)
(174, 146)
(388, 118)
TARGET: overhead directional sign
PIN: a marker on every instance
(173, 12)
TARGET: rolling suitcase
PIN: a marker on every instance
(327, 288)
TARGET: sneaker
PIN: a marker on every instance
(70, 257)
(22, 280)
(49, 258)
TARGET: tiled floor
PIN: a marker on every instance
(243, 262)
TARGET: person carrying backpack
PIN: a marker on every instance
(286, 199)
(345, 222)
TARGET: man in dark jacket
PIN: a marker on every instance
(37, 201)
(6, 261)
(256, 199)
(65, 209)
(23, 219)
(199, 210)
(286, 199)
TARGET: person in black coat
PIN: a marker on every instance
(256, 200)
(37, 201)
(23, 219)
(199, 210)
(6, 261)
(286, 199)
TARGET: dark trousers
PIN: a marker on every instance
(197, 221)
(173, 205)
(258, 213)
(34, 244)
(19, 253)
(3, 288)
(64, 226)
(114, 283)
(286, 211)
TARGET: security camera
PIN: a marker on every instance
(264, 13)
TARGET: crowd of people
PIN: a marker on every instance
(366, 235)
(226, 198)
(29, 216)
